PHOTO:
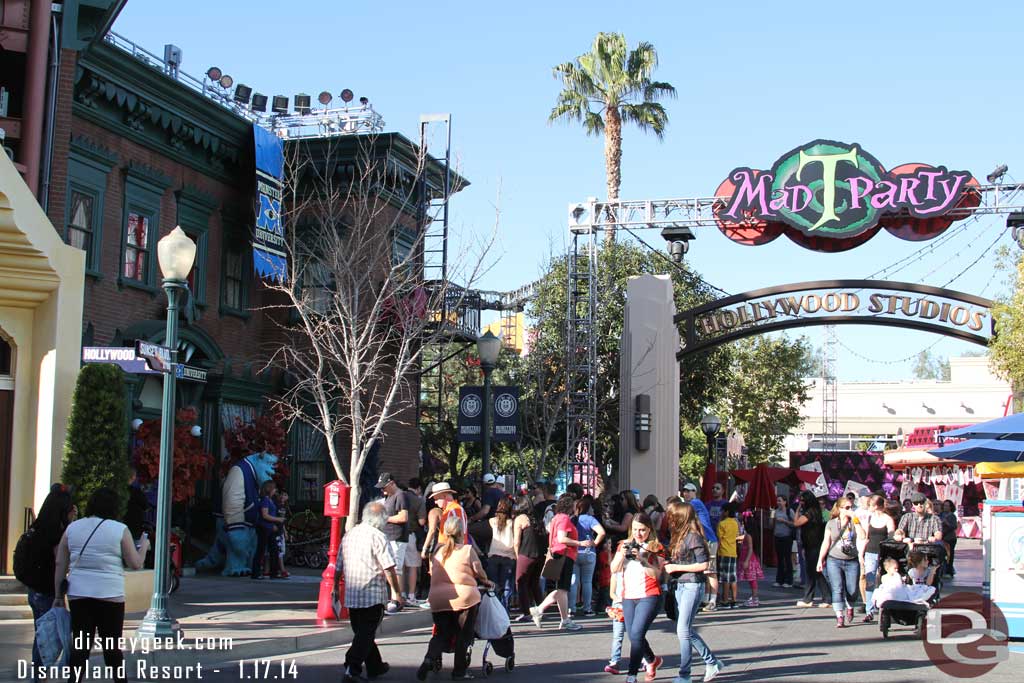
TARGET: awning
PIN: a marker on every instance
(999, 470)
(902, 458)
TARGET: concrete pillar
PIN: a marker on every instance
(648, 366)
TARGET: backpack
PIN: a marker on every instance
(29, 564)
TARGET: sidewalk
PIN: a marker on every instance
(232, 618)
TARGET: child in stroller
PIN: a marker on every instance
(909, 584)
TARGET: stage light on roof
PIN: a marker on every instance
(324, 98)
(346, 95)
(226, 81)
(259, 102)
(279, 105)
(364, 101)
(214, 73)
(302, 101)
(243, 93)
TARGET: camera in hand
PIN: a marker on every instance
(632, 550)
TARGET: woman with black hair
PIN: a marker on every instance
(42, 537)
(810, 520)
(91, 556)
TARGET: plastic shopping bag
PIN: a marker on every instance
(53, 636)
(492, 620)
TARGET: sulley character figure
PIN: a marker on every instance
(236, 537)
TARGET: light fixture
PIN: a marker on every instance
(997, 174)
(324, 98)
(488, 346)
(302, 102)
(346, 95)
(214, 73)
(967, 408)
(891, 411)
(176, 254)
(929, 410)
(710, 424)
(279, 104)
(259, 102)
(196, 431)
(1015, 221)
(678, 238)
(364, 101)
(243, 93)
(226, 81)
(136, 423)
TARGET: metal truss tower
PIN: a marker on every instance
(829, 398)
(581, 360)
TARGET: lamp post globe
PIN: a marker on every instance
(710, 424)
(488, 347)
(176, 254)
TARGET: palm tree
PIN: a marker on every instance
(608, 86)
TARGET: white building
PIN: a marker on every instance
(871, 411)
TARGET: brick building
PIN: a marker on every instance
(132, 149)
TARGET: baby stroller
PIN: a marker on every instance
(503, 647)
(899, 611)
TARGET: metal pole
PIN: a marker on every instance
(158, 623)
(487, 420)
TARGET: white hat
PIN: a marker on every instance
(439, 488)
(488, 478)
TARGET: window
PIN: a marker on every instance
(136, 248)
(81, 221)
(234, 280)
(318, 281)
(194, 209)
(402, 244)
(89, 167)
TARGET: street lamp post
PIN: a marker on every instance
(176, 254)
(488, 346)
(710, 425)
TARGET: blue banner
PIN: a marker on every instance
(471, 414)
(268, 245)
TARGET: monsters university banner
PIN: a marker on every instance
(268, 246)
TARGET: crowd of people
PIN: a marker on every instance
(436, 547)
(578, 556)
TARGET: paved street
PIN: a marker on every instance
(776, 642)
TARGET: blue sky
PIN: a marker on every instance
(931, 82)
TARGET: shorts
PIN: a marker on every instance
(712, 564)
(727, 569)
(398, 548)
(565, 578)
(412, 553)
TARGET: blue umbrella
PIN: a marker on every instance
(983, 450)
(1009, 427)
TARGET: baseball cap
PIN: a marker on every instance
(488, 478)
(384, 479)
(918, 498)
(690, 487)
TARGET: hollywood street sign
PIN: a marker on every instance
(128, 359)
(829, 302)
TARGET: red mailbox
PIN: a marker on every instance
(336, 496)
(336, 499)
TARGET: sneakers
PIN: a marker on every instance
(589, 613)
(421, 673)
(849, 615)
(752, 602)
(652, 669)
(518, 620)
(804, 603)
(777, 584)
(612, 669)
(537, 615)
(568, 625)
(868, 619)
(630, 679)
(840, 623)
(826, 605)
(712, 671)
(392, 607)
(787, 585)
(710, 607)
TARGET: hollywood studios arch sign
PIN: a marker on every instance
(826, 196)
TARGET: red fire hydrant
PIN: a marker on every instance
(336, 494)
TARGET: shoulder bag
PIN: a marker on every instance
(64, 582)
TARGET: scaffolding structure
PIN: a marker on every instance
(581, 360)
(829, 391)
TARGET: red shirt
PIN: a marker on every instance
(563, 522)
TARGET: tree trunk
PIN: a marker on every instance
(612, 163)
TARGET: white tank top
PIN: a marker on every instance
(502, 541)
(99, 572)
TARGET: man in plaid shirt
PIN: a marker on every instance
(368, 564)
(919, 526)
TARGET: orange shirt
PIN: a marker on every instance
(451, 508)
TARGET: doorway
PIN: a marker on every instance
(6, 432)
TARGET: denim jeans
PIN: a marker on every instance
(502, 571)
(638, 616)
(844, 577)
(870, 577)
(583, 575)
(618, 633)
(40, 604)
(688, 597)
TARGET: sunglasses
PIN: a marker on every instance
(920, 503)
(846, 507)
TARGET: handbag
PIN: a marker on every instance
(64, 582)
(553, 564)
